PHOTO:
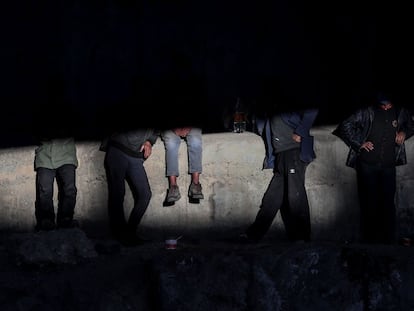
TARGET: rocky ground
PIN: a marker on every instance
(67, 270)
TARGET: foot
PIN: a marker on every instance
(195, 191)
(173, 194)
(45, 225)
(245, 239)
(67, 223)
(132, 240)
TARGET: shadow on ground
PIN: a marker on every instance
(67, 270)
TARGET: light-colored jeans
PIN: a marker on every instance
(194, 149)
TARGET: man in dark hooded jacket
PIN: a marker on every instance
(375, 136)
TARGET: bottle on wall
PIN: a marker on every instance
(239, 118)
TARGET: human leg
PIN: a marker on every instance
(171, 144)
(116, 165)
(367, 181)
(271, 203)
(195, 152)
(44, 207)
(297, 219)
(67, 191)
(141, 191)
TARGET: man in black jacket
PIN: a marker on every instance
(124, 161)
(375, 136)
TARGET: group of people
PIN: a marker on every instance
(374, 134)
(125, 153)
(124, 161)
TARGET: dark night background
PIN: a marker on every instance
(95, 66)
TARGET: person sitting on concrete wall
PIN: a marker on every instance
(172, 140)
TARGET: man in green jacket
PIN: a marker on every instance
(55, 159)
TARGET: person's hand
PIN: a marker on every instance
(367, 146)
(182, 131)
(146, 148)
(297, 138)
(400, 138)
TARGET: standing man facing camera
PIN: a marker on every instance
(375, 136)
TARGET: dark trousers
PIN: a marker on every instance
(121, 168)
(287, 192)
(376, 191)
(66, 182)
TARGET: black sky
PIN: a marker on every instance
(105, 59)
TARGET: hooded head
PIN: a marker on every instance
(384, 101)
(384, 98)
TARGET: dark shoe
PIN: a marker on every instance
(67, 223)
(173, 194)
(300, 242)
(45, 225)
(132, 240)
(245, 239)
(195, 191)
(107, 247)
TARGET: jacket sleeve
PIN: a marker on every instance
(408, 126)
(351, 130)
(306, 123)
(153, 136)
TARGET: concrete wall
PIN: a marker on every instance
(233, 184)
